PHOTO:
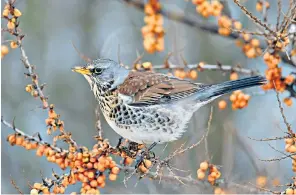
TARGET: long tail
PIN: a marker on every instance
(216, 90)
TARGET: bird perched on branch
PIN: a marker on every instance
(146, 107)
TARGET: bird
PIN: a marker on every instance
(148, 107)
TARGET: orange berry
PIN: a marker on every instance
(292, 149)
(201, 175)
(17, 13)
(237, 25)
(217, 190)
(289, 191)
(5, 13)
(112, 177)
(34, 192)
(101, 167)
(182, 74)
(232, 97)
(233, 76)
(222, 104)
(255, 42)
(100, 179)
(90, 175)
(288, 101)
(289, 79)
(79, 156)
(13, 44)
(289, 141)
(94, 183)
(4, 50)
(37, 186)
(10, 25)
(89, 165)
(115, 170)
(143, 169)
(211, 179)
(214, 174)
(128, 161)
(19, 140)
(147, 65)
(102, 185)
(204, 166)
(148, 163)
(11, 139)
(193, 74)
(261, 181)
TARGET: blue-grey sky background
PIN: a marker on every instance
(97, 28)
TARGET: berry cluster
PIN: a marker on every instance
(53, 122)
(274, 75)
(259, 5)
(88, 167)
(182, 73)
(239, 99)
(11, 14)
(252, 48)
(291, 148)
(153, 32)
(210, 170)
(206, 8)
(147, 66)
(20, 140)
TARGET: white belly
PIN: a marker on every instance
(147, 134)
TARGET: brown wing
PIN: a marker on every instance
(148, 88)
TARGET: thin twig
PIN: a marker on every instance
(282, 112)
(15, 185)
(18, 131)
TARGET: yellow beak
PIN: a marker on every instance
(81, 70)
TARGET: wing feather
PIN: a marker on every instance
(148, 88)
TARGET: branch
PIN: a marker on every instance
(226, 68)
(18, 131)
(196, 23)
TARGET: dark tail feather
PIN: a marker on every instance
(229, 86)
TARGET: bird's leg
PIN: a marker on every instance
(121, 148)
(119, 142)
(144, 154)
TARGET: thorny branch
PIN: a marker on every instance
(195, 22)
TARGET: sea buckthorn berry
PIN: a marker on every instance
(218, 190)
(204, 166)
(115, 170)
(34, 192)
(13, 44)
(147, 163)
(261, 181)
(4, 50)
(10, 25)
(5, 13)
(16, 12)
(289, 191)
(201, 175)
(222, 104)
(193, 74)
(112, 177)
(288, 101)
(233, 76)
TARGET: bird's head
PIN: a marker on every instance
(103, 72)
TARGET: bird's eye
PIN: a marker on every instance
(98, 70)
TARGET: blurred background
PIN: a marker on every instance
(98, 28)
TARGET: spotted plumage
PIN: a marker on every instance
(147, 107)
